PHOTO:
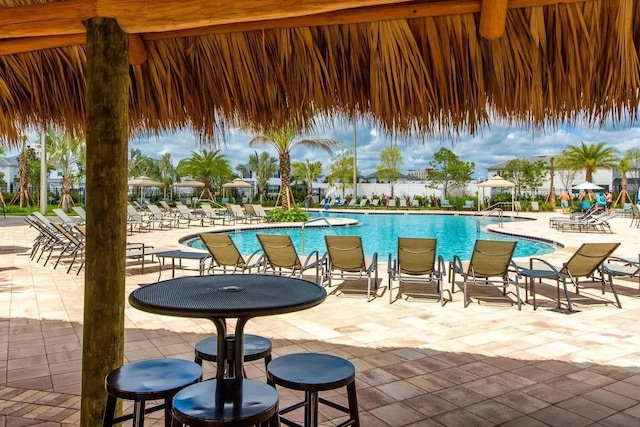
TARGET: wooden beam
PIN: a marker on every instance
(356, 16)
(137, 50)
(78, 10)
(55, 27)
(493, 18)
(148, 16)
(30, 44)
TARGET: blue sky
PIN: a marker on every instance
(491, 145)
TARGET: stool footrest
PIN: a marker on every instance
(334, 405)
(146, 411)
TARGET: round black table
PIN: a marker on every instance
(231, 296)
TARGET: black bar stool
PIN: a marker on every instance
(255, 348)
(312, 373)
(228, 402)
(147, 380)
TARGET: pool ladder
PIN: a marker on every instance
(488, 213)
(309, 222)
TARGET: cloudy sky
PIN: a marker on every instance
(489, 146)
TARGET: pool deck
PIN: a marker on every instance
(418, 364)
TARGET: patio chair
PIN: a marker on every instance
(352, 202)
(251, 212)
(185, 216)
(260, 212)
(82, 214)
(73, 247)
(517, 207)
(167, 209)
(235, 211)
(444, 204)
(635, 215)
(281, 257)
(415, 203)
(403, 202)
(225, 255)
(583, 263)
(535, 206)
(346, 261)
(468, 205)
(391, 203)
(416, 264)
(375, 202)
(159, 217)
(488, 267)
(135, 219)
(622, 267)
(66, 219)
(212, 215)
(363, 203)
(588, 223)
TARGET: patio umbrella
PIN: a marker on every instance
(587, 186)
(144, 181)
(238, 183)
(497, 182)
(189, 183)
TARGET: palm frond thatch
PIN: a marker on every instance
(555, 64)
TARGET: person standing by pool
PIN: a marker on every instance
(609, 198)
(565, 198)
(601, 201)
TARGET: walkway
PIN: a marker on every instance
(418, 364)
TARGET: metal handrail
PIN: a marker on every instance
(488, 213)
(309, 222)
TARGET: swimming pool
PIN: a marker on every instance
(456, 234)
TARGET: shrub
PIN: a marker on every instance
(280, 215)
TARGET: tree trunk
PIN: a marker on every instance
(552, 190)
(24, 180)
(285, 180)
(66, 201)
(107, 136)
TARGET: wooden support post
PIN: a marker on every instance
(107, 136)
(493, 18)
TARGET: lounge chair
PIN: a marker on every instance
(635, 215)
(469, 205)
(225, 255)
(66, 219)
(622, 267)
(403, 202)
(73, 246)
(352, 202)
(583, 263)
(517, 207)
(374, 202)
(260, 212)
(391, 203)
(415, 203)
(535, 206)
(416, 264)
(363, 203)
(586, 224)
(82, 214)
(135, 219)
(346, 261)
(235, 211)
(251, 212)
(211, 215)
(160, 218)
(185, 216)
(281, 257)
(168, 210)
(488, 267)
(444, 204)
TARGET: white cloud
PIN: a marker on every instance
(489, 146)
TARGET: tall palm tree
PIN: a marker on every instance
(64, 153)
(167, 172)
(589, 157)
(210, 167)
(283, 140)
(264, 167)
(624, 166)
(140, 164)
(307, 172)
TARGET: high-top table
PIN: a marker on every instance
(218, 298)
(231, 296)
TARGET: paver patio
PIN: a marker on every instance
(418, 364)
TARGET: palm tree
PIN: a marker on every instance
(589, 157)
(264, 167)
(210, 167)
(283, 140)
(64, 153)
(624, 167)
(307, 172)
(167, 172)
(140, 164)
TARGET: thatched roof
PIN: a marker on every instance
(211, 64)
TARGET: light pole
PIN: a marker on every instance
(355, 162)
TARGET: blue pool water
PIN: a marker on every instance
(456, 234)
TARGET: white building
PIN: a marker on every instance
(604, 177)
